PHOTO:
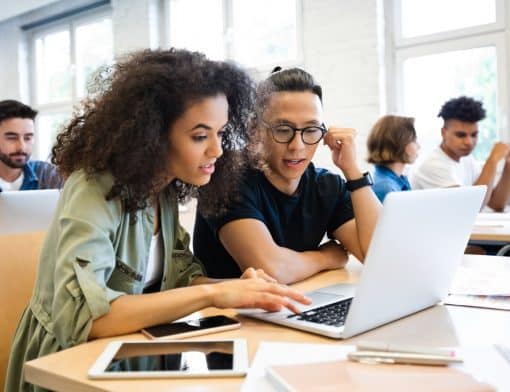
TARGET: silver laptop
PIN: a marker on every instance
(27, 211)
(416, 248)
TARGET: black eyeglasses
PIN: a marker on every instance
(284, 133)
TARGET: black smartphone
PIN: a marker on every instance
(189, 328)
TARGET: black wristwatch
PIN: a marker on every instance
(366, 180)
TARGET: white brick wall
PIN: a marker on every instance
(11, 40)
(133, 25)
(340, 50)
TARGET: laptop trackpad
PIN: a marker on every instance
(342, 289)
(319, 298)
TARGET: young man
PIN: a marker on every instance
(17, 171)
(451, 164)
(288, 205)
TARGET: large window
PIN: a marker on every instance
(421, 18)
(254, 33)
(65, 57)
(439, 57)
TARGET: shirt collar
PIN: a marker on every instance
(387, 172)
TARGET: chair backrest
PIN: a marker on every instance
(27, 211)
(18, 264)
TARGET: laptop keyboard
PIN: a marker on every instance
(333, 314)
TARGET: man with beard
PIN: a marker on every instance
(17, 171)
(452, 164)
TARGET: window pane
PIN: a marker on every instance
(48, 125)
(429, 81)
(94, 48)
(264, 31)
(53, 67)
(419, 17)
(201, 31)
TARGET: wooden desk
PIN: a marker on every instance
(491, 228)
(437, 326)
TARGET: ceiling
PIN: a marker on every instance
(10, 9)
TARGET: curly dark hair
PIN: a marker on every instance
(123, 128)
(15, 109)
(464, 109)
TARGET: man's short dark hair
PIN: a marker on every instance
(15, 109)
(464, 109)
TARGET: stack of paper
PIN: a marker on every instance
(485, 285)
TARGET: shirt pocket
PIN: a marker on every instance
(125, 278)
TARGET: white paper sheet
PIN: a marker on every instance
(490, 279)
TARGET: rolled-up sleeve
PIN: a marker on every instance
(85, 261)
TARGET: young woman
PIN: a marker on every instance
(115, 259)
(287, 204)
(391, 145)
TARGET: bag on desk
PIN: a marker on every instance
(351, 376)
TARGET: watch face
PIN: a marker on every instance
(369, 178)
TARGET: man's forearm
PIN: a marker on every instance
(487, 178)
(501, 193)
(366, 212)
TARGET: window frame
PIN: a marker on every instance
(401, 42)
(228, 41)
(495, 34)
(70, 24)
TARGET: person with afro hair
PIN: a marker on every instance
(452, 164)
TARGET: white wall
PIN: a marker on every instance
(11, 40)
(341, 49)
(341, 45)
(135, 25)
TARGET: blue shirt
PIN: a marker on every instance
(321, 204)
(386, 181)
(40, 175)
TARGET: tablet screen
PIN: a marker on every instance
(176, 356)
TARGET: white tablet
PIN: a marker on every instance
(182, 358)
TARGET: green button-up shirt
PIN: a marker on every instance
(93, 253)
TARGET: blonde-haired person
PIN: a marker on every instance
(391, 145)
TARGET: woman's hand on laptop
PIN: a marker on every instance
(256, 293)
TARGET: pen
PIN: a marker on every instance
(384, 357)
(377, 346)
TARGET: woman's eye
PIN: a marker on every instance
(199, 138)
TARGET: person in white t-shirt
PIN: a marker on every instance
(451, 163)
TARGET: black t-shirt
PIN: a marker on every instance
(298, 222)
